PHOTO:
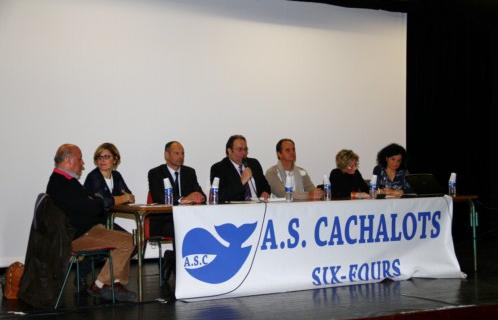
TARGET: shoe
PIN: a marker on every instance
(121, 293)
(168, 288)
(105, 292)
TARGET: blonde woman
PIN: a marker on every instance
(346, 179)
(105, 181)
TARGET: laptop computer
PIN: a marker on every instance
(424, 185)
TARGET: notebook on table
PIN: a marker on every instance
(424, 185)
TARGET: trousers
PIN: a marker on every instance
(97, 237)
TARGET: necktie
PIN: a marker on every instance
(177, 190)
(247, 191)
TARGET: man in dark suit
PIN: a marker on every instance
(241, 178)
(186, 189)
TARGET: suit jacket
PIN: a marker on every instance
(47, 255)
(231, 188)
(188, 183)
(95, 184)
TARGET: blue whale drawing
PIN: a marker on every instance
(227, 260)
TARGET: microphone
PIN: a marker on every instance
(245, 163)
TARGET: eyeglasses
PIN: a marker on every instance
(240, 149)
(353, 164)
(105, 157)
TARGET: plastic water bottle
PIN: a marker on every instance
(213, 195)
(289, 188)
(168, 192)
(168, 196)
(452, 185)
(327, 188)
(213, 192)
(373, 187)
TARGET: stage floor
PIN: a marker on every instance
(474, 297)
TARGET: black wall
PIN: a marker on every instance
(452, 93)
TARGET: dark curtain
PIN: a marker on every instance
(452, 88)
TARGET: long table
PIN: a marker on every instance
(246, 249)
(139, 213)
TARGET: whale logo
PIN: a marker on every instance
(208, 260)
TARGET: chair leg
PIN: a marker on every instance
(111, 272)
(71, 262)
(160, 263)
(78, 275)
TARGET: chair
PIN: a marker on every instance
(158, 240)
(92, 253)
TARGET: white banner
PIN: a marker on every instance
(246, 249)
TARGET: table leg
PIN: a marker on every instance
(474, 223)
(139, 244)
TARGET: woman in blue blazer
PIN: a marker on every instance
(105, 181)
(391, 170)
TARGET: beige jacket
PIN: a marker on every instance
(302, 182)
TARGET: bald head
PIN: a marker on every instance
(64, 152)
(174, 154)
(68, 157)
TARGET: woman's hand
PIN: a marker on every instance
(124, 198)
(129, 198)
(360, 195)
(316, 194)
(392, 192)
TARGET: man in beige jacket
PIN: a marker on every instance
(304, 189)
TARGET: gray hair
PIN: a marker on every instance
(63, 153)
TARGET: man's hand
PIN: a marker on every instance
(265, 195)
(193, 198)
(246, 175)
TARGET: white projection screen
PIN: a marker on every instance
(141, 73)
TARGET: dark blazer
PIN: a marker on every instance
(188, 183)
(95, 184)
(231, 189)
(343, 183)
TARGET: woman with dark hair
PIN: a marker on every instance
(391, 170)
(105, 181)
